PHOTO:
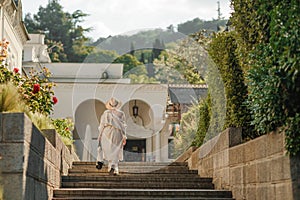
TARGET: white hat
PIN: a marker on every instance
(113, 103)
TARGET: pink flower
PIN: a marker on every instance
(16, 70)
(36, 88)
(55, 100)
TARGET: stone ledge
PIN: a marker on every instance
(186, 155)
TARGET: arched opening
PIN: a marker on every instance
(87, 117)
(139, 119)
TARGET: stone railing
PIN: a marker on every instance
(259, 169)
(31, 165)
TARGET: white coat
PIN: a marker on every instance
(112, 131)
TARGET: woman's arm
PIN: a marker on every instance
(103, 121)
(100, 129)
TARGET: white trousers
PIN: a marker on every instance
(111, 163)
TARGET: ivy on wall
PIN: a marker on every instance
(222, 50)
(268, 44)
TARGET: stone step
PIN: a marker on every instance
(145, 185)
(138, 198)
(135, 167)
(135, 170)
(131, 171)
(139, 178)
(81, 163)
(140, 193)
(152, 175)
(137, 181)
(127, 167)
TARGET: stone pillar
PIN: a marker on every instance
(149, 149)
(157, 147)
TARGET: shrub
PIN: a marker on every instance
(193, 126)
(36, 92)
(268, 36)
(10, 100)
(64, 127)
(32, 95)
(204, 121)
(223, 49)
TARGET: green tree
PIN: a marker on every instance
(31, 25)
(196, 25)
(101, 56)
(61, 27)
(132, 49)
(157, 48)
(186, 60)
(142, 60)
(129, 61)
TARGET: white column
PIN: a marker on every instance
(157, 147)
(87, 148)
(149, 148)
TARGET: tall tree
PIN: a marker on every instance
(142, 60)
(157, 48)
(132, 49)
(61, 27)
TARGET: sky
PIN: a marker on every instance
(114, 17)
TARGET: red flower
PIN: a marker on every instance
(55, 100)
(16, 70)
(36, 88)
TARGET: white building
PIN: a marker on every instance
(12, 29)
(82, 90)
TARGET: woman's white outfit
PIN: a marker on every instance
(112, 131)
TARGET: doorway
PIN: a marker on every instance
(135, 151)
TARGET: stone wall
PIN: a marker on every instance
(259, 169)
(31, 165)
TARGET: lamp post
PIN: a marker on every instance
(135, 109)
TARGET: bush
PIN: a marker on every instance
(264, 98)
(36, 92)
(204, 121)
(222, 50)
(64, 128)
(32, 95)
(10, 100)
(268, 36)
(193, 126)
(292, 134)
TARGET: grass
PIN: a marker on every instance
(10, 100)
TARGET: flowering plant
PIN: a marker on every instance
(4, 46)
(35, 91)
(64, 127)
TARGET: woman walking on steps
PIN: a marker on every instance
(112, 137)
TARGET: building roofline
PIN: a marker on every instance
(188, 86)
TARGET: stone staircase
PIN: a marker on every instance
(137, 180)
